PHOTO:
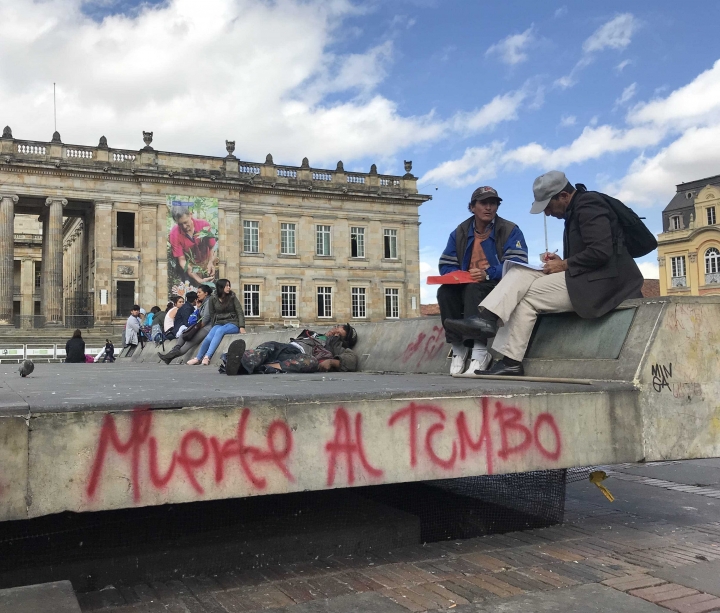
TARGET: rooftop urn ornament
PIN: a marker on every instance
(230, 148)
(7, 132)
(408, 167)
(269, 159)
(147, 139)
(103, 143)
(340, 167)
(305, 163)
(373, 169)
(56, 138)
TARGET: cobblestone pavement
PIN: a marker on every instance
(647, 551)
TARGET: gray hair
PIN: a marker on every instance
(180, 211)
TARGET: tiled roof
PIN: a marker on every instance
(430, 309)
(651, 288)
(681, 201)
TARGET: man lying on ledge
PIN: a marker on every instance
(309, 352)
(595, 274)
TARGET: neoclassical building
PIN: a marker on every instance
(85, 232)
(689, 246)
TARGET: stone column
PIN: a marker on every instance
(148, 254)
(53, 262)
(7, 248)
(102, 240)
(27, 288)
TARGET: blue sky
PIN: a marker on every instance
(624, 97)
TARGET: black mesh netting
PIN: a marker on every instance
(211, 536)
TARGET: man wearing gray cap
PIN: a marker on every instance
(479, 245)
(595, 274)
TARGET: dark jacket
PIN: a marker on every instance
(181, 317)
(601, 273)
(75, 351)
(324, 347)
(506, 242)
(231, 312)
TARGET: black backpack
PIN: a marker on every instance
(637, 239)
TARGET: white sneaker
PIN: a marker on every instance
(458, 362)
(479, 365)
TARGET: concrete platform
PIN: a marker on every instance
(135, 433)
(81, 437)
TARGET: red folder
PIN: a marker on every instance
(451, 278)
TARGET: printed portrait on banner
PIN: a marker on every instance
(192, 243)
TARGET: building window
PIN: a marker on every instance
(678, 266)
(287, 239)
(359, 302)
(251, 296)
(288, 297)
(675, 222)
(712, 261)
(125, 230)
(125, 298)
(357, 242)
(711, 216)
(251, 236)
(322, 240)
(391, 250)
(38, 274)
(392, 303)
(324, 301)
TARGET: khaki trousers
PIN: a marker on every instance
(517, 300)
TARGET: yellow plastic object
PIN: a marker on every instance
(597, 477)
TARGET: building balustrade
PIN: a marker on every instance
(712, 277)
(214, 168)
(678, 282)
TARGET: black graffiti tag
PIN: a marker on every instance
(660, 376)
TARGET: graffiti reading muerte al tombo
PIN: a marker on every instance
(504, 432)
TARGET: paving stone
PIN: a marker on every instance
(298, 590)
(401, 597)
(486, 562)
(698, 603)
(549, 576)
(201, 584)
(57, 596)
(666, 591)
(101, 599)
(494, 585)
(442, 591)
(593, 598)
(704, 577)
(371, 602)
(466, 590)
(632, 582)
(330, 587)
(429, 597)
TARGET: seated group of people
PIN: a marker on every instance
(595, 274)
(206, 317)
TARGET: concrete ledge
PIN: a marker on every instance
(57, 597)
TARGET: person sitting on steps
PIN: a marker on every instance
(183, 346)
(226, 316)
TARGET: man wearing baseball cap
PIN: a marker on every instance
(479, 245)
(595, 274)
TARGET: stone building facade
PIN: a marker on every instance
(689, 246)
(84, 233)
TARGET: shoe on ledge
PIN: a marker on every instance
(479, 367)
(472, 327)
(457, 364)
(502, 368)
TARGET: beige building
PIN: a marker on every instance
(689, 246)
(86, 232)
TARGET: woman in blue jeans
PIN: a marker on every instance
(225, 315)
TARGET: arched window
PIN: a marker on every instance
(712, 261)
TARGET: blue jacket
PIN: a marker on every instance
(514, 249)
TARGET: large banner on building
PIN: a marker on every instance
(192, 243)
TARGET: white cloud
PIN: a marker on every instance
(622, 65)
(512, 49)
(260, 73)
(428, 293)
(649, 270)
(615, 34)
(627, 95)
(476, 165)
(568, 120)
(503, 107)
(561, 12)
